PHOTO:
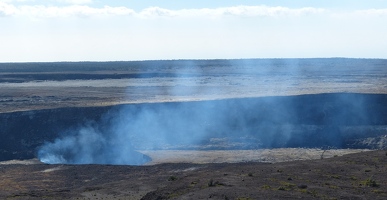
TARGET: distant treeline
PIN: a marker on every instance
(175, 64)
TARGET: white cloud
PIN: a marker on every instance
(78, 2)
(157, 12)
(8, 1)
(265, 11)
(40, 11)
(372, 12)
(7, 9)
(80, 10)
(249, 11)
(152, 12)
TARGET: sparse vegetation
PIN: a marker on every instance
(173, 195)
(172, 178)
(266, 186)
(377, 191)
(244, 198)
(370, 183)
(281, 188)
(333, 187)
(335, 176)
(313, 193)
(212, 183)
(303, 190)
(290, 185)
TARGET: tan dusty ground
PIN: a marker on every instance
(235, 156)
(228, 156)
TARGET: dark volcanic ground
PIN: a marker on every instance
(353, 176)
(308, 121)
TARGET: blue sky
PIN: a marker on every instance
(97, 30)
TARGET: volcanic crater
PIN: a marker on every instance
(219, 129)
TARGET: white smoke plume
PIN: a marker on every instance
(266, 122)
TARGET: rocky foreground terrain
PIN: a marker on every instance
(352, 176)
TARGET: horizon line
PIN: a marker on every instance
(198, 59)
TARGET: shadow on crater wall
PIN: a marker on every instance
(341, 120)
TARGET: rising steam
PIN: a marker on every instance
(269, 122)
(87, 145)
(266, 122)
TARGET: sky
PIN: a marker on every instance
(118, 30)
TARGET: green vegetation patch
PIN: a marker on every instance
(370, 183)
(172, 178)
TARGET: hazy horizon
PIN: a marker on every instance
(209, 59)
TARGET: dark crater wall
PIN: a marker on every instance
(341, 120)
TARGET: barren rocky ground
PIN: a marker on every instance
(352, 176)
(40, 100)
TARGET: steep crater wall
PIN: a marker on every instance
(341, 120)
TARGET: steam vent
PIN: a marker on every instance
(107, 113)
